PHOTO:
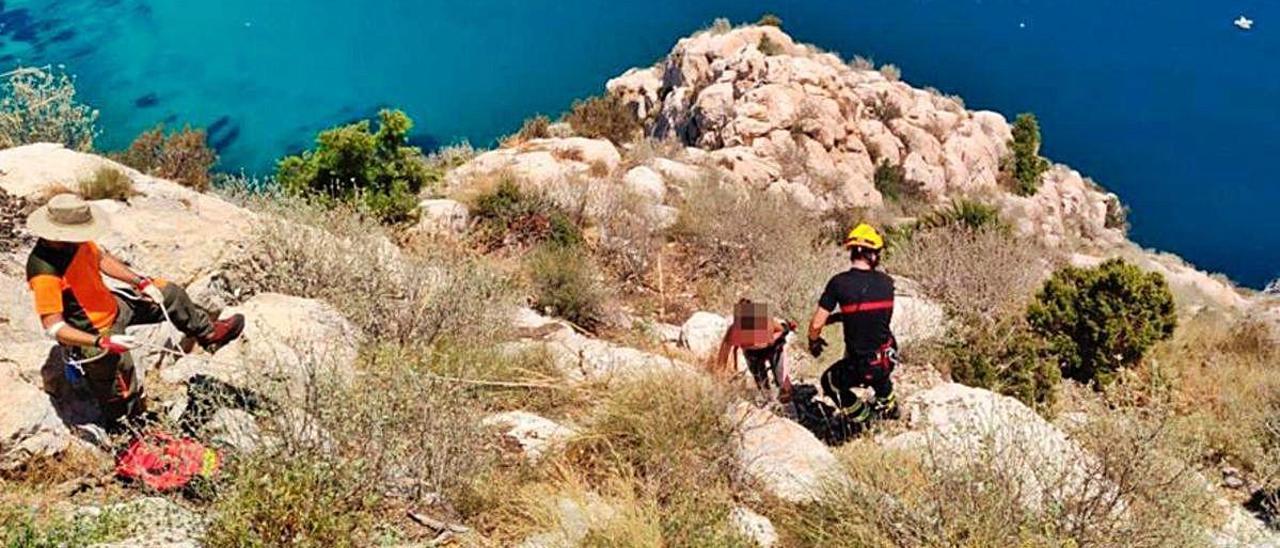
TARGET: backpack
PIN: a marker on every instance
(165, 463)
(820, 418)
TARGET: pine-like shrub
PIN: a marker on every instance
(1103, 319)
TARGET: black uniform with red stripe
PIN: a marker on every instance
(861, 300)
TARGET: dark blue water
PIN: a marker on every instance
(1163, 102)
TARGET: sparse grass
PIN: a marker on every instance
(536, 127)
(23, 527)
(770, 20)
(439, 293)
(974, 273)
(107, 183)
(567, 284)
(892, 183)
(861, 63)
(769, 47)
(885, 109)
(509, 215)
(720, 26)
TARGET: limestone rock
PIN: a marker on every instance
(1066, 209)
(672, 170)
(167, 230)
(957, 426)
(915, 317)
(535, 434)
(442, 218)
(288, 343)
(703, 332)
(29, 424)
(646, 182)
(753, 526)
(582, 358)
(540, 163)
(782, 457)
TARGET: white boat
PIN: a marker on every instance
(1243, 23)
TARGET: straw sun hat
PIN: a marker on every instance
(68, 218)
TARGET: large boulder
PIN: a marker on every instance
(29, 423)
(753, 526)
(442, 218)
(782, 457)
(916, 318)
(957, 426)
(153, 522)
(288, 345)
(703, 332)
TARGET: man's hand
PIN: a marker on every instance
(116, 344)
(151, 288)
(816, 346)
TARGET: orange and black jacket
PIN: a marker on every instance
(69, 282)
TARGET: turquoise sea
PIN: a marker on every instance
(1163, 102)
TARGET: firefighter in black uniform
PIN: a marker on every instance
(861, 299)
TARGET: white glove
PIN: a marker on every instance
(116, 344)
(152, 291)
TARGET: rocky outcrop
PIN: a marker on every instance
(916, 318)
(441, 218)
(151, 522)
(541, 163)
(959, 426)
(166, 230)
(781, 457)
(776, 114)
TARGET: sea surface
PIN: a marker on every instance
(1163, 102)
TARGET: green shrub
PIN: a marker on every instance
(352, 163)
(770, 20)
(1005, 357)
(289, 502)
(1026, 165)
(965, 213)
(604, 117)
(893, 184)
(39, 106)
(1099, 320)
(567, 284)
(508, 215)
(107, 184)
(20, 527)
(769, 47)
(182, 156)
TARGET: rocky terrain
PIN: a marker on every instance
(794, 121)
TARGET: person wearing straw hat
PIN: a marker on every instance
(65, 272)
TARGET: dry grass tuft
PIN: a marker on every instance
(107, 184)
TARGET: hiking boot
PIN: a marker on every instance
(224, 331)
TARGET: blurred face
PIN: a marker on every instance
(750, 325)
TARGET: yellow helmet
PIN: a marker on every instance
(864, 236)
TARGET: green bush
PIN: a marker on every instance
(769, 47)
(289, 503)
(1099, 320)
(892, 183)
(21, 527)
(604, 117)
(508, 215)
(567, 284)
(182, 156)
(352, 163)
(536, 127)
(1005, 357)
(107, 184)
(965, 213)
(1027, 164)
(39, 106)
(770, 20)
